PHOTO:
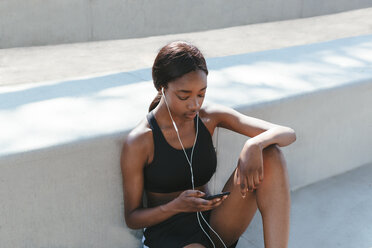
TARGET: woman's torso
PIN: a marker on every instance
(167, 173)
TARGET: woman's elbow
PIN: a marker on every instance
(288, 136)
(292, 134)
(131, 224)
(129, 221)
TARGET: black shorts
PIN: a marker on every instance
(178, 231)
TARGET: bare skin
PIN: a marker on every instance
(259, 181)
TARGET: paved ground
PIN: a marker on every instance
(63, 62)
(336, 212)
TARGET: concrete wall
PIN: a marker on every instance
(37, 22)
(333, 128)
(71, 195)
(66, 196)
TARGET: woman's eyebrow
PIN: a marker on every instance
(189, 91)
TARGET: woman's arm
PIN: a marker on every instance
(282, 136)
(133, 159)
(262, 133)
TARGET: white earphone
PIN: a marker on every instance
(192, 174)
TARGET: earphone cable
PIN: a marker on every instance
(191, 170)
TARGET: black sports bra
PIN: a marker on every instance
(169, 171)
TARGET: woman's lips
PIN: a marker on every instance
(191, 115)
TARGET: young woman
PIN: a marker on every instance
(170, 157)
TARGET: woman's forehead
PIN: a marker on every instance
(195, 80)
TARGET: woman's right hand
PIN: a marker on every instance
(191, 201)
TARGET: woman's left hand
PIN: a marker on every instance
(249, 173)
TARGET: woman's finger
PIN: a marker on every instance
(201, 201)
(243, 186)
(250, 183)
(218, 200)
(194, 193)
(261, 173)
(256, 179)
(215, 203)
(237, 176)
(204, 205)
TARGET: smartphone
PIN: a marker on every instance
(210, 197)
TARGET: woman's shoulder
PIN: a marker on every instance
(136, 151)
(212, 115)
(139, 138)
(214, 109)
(214, 112)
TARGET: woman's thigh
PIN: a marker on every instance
(233, 216)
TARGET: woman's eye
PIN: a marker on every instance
(183, 98)
(186, 97)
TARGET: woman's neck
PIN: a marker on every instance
(163, 117)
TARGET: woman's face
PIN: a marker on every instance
(185, 95)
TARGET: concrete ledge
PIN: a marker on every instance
(71, 61)
(60, 148)
(56, 22)
(333, 127)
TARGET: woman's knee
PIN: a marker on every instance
(275, 167)
(274, 155)
(272, 152)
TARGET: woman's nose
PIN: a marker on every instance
(194, 104)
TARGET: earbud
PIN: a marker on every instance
(166, 103)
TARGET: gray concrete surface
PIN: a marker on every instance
(36, 22)
(336, 212)
(71, 61)
(289, 86)
(81, 205)
(73, 190)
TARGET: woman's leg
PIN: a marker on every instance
(272, 198)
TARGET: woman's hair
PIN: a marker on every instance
(173, 61)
